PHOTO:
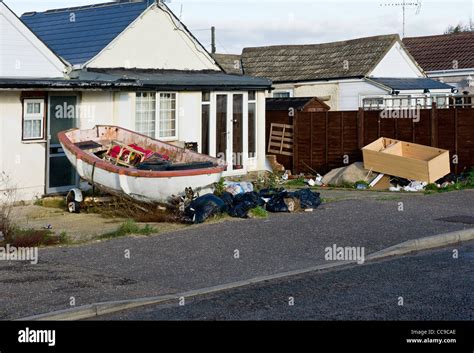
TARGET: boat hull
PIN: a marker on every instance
(144, 186)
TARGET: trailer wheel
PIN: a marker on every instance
(74, 207)
(73, 200)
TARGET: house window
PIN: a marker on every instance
(167, 123)
(205, 121)
(373, 103)
(252, 124)
(33, 119)
(282, 94)
(146, 113)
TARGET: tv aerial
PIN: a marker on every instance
(404, 4)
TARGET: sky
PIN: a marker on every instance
(247, 23)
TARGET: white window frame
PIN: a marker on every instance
(253, 101)
(33, 116)
(207, 103)
(158, 113)
(289, 91)
(135, 107)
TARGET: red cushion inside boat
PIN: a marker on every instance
(115, 151)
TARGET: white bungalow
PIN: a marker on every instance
(126, 63)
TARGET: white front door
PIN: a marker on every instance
(230, 117)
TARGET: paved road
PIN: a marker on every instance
(203, 256)
(433, 285)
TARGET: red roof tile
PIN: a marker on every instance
(441, 52)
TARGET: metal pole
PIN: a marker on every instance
(403, 30)
(213, 40)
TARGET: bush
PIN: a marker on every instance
(31, 238)
(219, 187)
(7, 200)
(269, 181)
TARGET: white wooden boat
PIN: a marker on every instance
(127, 172)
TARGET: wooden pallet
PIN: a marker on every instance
(281, 139)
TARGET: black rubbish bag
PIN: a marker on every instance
(228, 199)
(244, 202)
(252, 197)
(204, 207)
(308, 199)
(268, 193)
(277, 203)
(241, 210)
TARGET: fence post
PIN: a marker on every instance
(311, 141)
(360, 128)
(326, 151)
(434, 125)
(294, 159)
(456, 139)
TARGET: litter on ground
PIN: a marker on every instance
(239, 205)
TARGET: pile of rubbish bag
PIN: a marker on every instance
(239, 205)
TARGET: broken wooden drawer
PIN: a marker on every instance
(406, 160)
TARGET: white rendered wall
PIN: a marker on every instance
(24, 162)
(396, 63)
(153, 42)
(22, 54)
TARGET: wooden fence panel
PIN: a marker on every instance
(371, 126)
(447, 133)
(324, 138)
(351, 137)
(318, 147)
(302, 141)
(335, 139)
(422, 131)
(465, 137)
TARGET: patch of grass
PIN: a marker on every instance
(465, 182)
(431, 187)
(343, 185)
(52, 202)
(296, 182)
(129, 227)
(258, 212)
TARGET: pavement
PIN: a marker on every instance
(431, 285)
(204, 256)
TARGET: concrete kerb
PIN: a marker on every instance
(97, 309)
(435, 241)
